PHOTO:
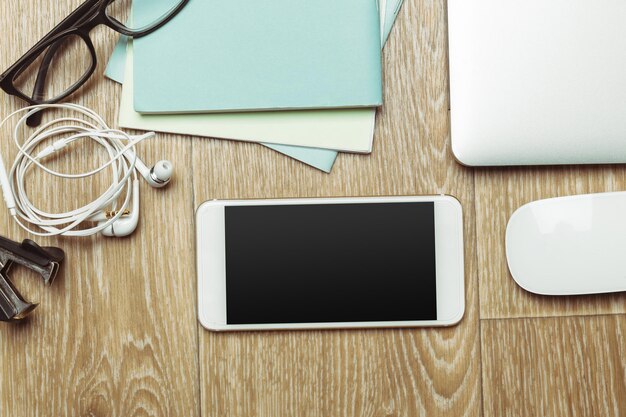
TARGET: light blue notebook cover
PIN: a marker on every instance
(242, 55)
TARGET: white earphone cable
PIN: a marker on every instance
(122, 159)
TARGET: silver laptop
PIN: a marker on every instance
(538, 82)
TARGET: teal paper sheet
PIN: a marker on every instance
(393, 8)
(117, 62)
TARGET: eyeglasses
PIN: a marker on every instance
(63, 60)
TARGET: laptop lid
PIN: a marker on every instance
(538, 82)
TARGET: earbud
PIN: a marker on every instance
(161, 173)
(158, 176)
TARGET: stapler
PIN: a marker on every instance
(44, 261)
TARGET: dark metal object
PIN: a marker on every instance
(45, 261)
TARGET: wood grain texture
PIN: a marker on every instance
(566, 367)
(499, 192)
(355, 373)
(116, 334)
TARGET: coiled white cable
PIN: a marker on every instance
(63, 132)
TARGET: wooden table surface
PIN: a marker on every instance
(117, 334)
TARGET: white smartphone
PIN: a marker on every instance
(330, 263)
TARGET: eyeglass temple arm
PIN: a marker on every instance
(40, 83)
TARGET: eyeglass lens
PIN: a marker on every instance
(57, 69)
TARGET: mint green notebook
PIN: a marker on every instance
(247, 55)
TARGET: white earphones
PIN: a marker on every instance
(159, 175)
(110, 218)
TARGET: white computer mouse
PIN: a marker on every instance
(569, 245)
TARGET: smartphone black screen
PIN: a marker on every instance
(330, 263)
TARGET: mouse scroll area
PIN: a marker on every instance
(569, 245)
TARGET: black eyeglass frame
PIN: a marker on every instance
(80, 23)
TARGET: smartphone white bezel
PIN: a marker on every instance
(211, 265)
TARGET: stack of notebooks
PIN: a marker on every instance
(301, 77)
